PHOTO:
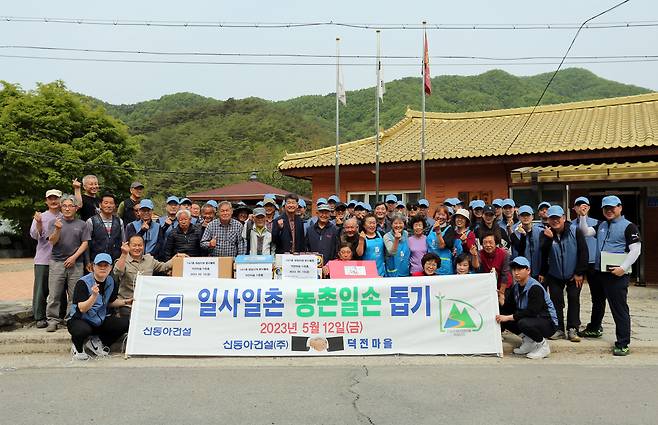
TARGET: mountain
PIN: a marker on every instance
(188, 132)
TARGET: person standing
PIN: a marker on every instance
(69, 238)
(90, 204)
(223, 236)
(185, 238)
(288, 233)
(126, 210)
(322, 237)
(581, 208)
(38, 231)
(615, 235)
(259, 239)
(397, 248)
(105, 230)
(371, 244)
(525, 239)
(147, 228)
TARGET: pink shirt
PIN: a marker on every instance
(44, 248)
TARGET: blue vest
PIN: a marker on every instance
(563, 256)
(150, 237)
(397, 265)
(444, 254)
(101, 241)
(173, 225)
(521, 298)
(459, 247)
(532, 249)
(98, 311)
(611, 237)
(374, 250)
(591, 240)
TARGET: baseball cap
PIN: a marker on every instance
(367, 206)
(53, 192)
(497, 202)
(301, 203)
(258, 204)
(399, 204)
(269, 195)
(267, 201)
(146, 203)
(359, 206)
(333, 198)
(340, 207)
(449, 202)
(351, 204)
(543, 204)
(489, 209)
(259, 212)
(610, 201)
(555, 211)
(212, 203)
(423, 203)
(526, 209)
(520, 261)
(509, 202)
(185, 201)
(102, 258)
(391, 198)
(581, 200)
(478, 203)
(321, 201)
(324, 207)
(173, 199)
(134, 185)
(464, 213)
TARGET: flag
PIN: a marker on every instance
(381, 87)
(426, 69)
(342, 96)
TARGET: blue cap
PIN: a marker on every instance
(367, 206)
(334, 198)
(581, 200)
(174, 199)
(269, 195)
(526, 209)
(449, 202)
(399, 204)
(450, 210)
(478, 203)
(301, 203)
(186, 201)
(497, 202)
(321, 201)
(520, 261)
(457, 201)
(424, 202)
(470, 204)
(360, 205)
(258, 204)
(543, 204)
(509, 202)
(324, 207)
(391, 198)
(102, 258)
(212, 203)
(146, 203)
(352, 203)
(555, 211)
(610, 201)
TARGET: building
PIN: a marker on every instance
(250, 192)
(556, 153)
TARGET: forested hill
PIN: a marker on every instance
(185, 131)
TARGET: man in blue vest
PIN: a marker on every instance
(581, 208)
(564, 262)
(525, 239)
(527, 311)
(147, 228)
(618, 246)
(106, 230)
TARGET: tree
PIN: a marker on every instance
(48, 138)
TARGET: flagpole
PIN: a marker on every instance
(422, 134)
(377, 91)
(337, 175)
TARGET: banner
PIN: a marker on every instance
(301, 317)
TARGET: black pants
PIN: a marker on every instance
(604, 286)
(536, 328)
(109, 331)
(556, 291)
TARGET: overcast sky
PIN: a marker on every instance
(133, 82)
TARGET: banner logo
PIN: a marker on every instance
(461, 315)
(169, 307)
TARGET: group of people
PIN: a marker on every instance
(535, 261)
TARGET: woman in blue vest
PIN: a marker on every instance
(527, 311)
(441, 240)
(397, 248)
(371, 244)
(89, 317)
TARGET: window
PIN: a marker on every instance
(406, 196)
(555, 195)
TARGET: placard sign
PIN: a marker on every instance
(254, 271)
(200, 267)
(299, 266)
(352, 269)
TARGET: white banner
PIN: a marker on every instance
(299, 317)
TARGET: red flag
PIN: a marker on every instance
(426, 69)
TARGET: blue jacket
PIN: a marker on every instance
(564, 255)
(98, 312)
(529, 246)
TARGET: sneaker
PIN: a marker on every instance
(591, 333)
(42, 324)
(52, 327)
(526, 346)
(95, 345)
(540, 350)
(620, 351)
(557, 335)
(79, 355)
(572, 335)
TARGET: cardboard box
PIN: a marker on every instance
(203, 267)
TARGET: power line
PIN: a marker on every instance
(290, 25)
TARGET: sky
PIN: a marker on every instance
(133, 82)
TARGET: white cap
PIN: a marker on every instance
(54, 192)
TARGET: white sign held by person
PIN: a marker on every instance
(302, 317)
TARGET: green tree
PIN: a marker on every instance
(49, 137)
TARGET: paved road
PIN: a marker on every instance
(385, 390)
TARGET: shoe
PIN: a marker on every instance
(620, 351)
(52, 327)
(79, 355)
(541, 350)
(526, 346)
(95, 345)
(42, 324)
(590, 333)
(572, 335)
(557, 335)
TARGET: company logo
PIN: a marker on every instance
(169, 307)
(458, 315)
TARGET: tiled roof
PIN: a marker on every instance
(587, 172)
(246, 190)
(623, 122)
